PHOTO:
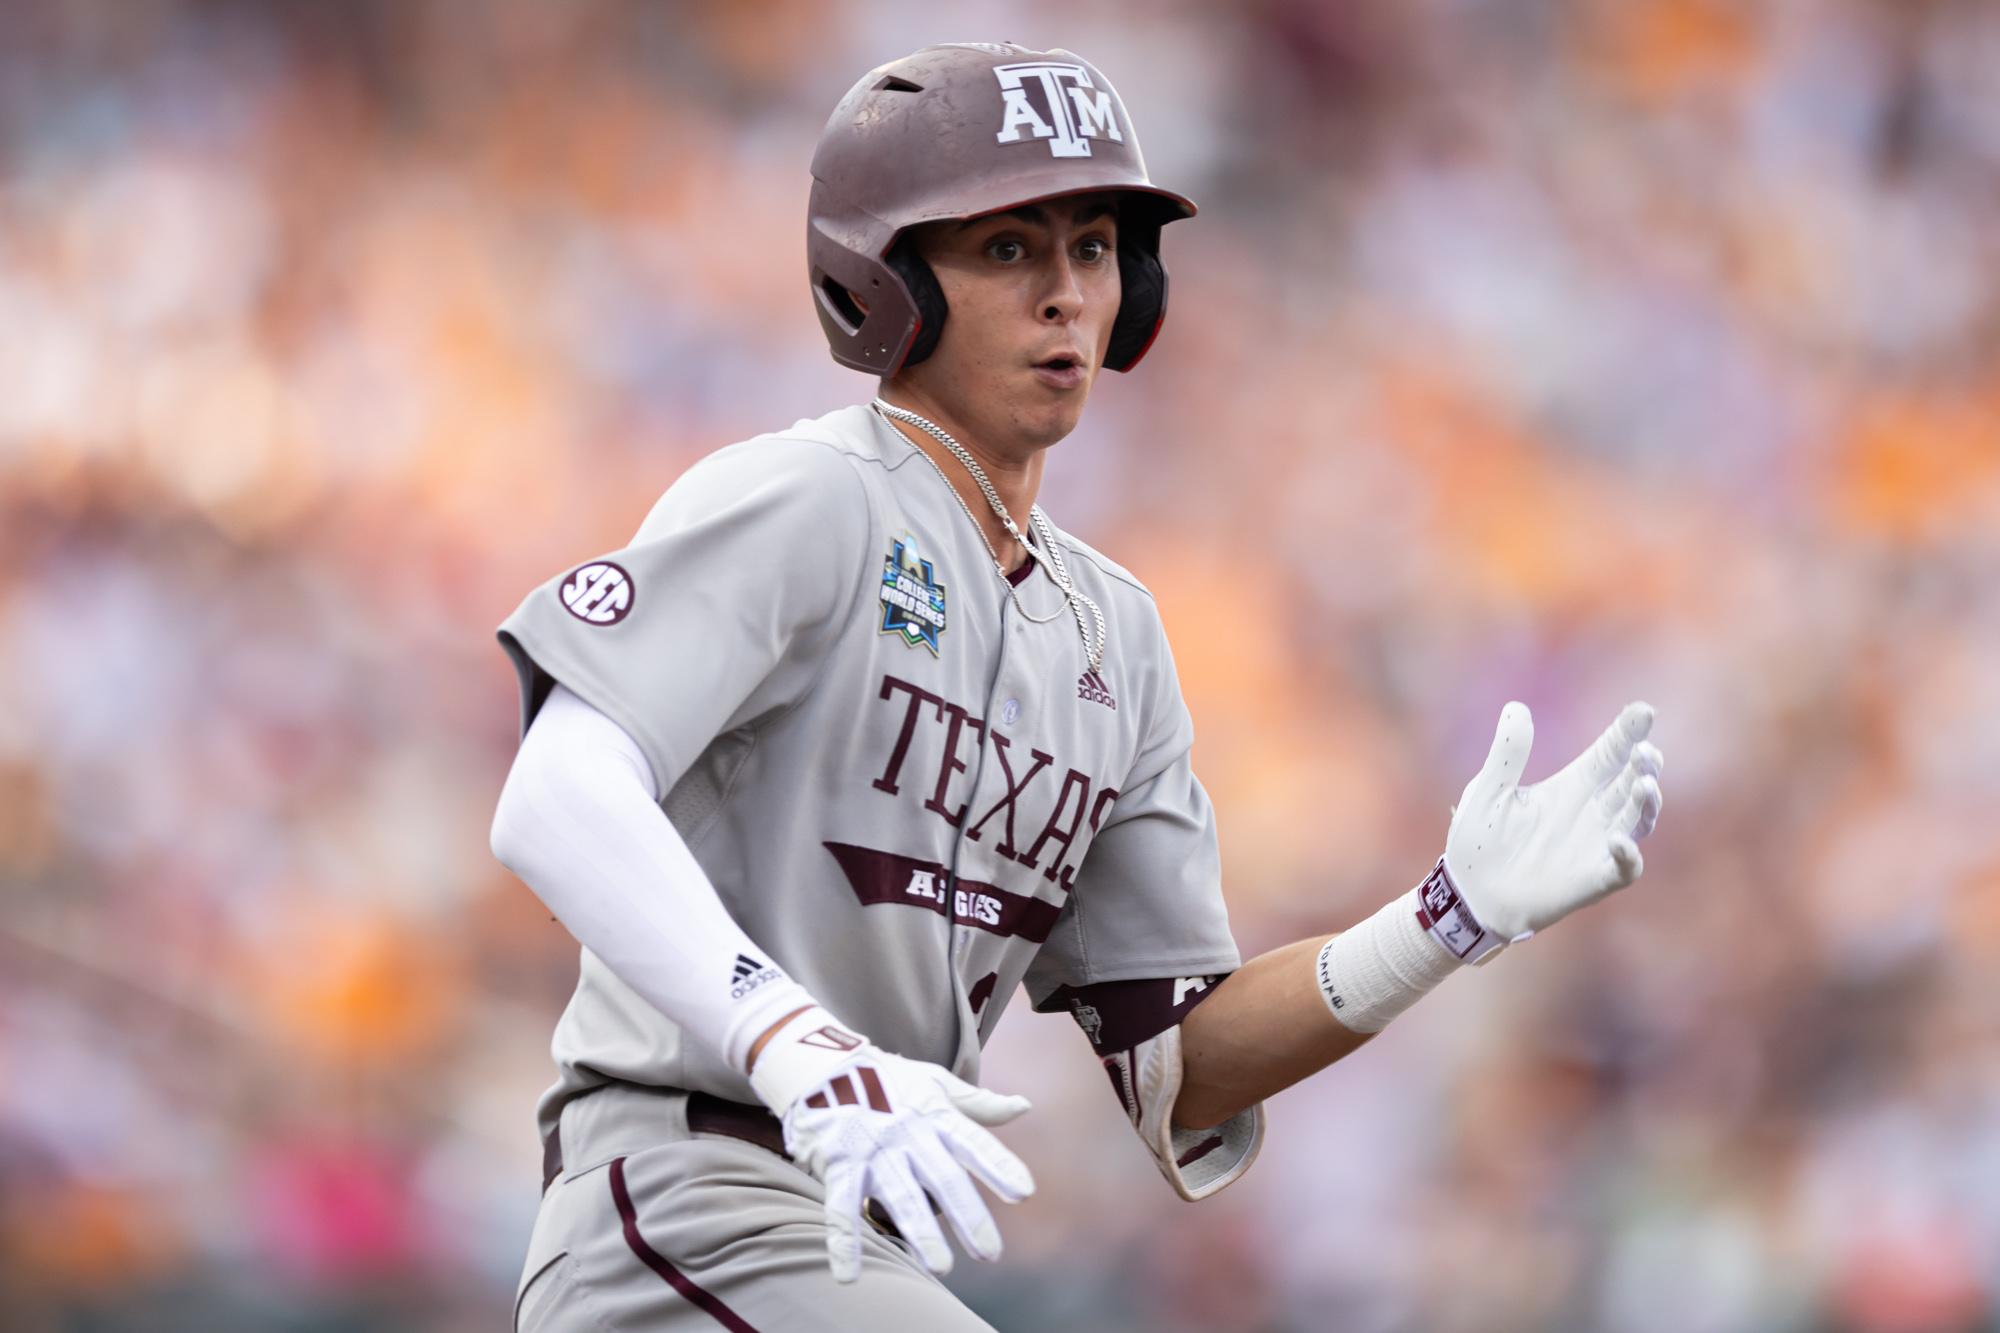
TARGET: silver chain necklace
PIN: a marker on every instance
(1049, 558)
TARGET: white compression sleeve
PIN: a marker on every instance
(1381, 967)
(579, 822)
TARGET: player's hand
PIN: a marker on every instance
(1525, 857)
(870, 1124)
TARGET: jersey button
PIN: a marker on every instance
(1010, 712)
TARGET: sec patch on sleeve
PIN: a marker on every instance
(599, 593)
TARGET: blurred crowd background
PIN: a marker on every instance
(1565, 350)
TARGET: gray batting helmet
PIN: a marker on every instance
(958, 131)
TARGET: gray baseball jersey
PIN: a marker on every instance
(908, 793)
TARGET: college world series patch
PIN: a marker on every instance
(912, 598)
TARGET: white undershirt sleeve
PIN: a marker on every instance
(579, 821)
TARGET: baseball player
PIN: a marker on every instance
(851, 741)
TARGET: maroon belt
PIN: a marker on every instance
(752, 1124)
(706, 1114)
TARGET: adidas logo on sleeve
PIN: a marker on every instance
(749, 975)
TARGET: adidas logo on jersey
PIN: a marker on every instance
(750, 974)
(1091, 686)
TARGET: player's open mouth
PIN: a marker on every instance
(1060, 372)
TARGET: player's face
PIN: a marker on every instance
(1032, 295)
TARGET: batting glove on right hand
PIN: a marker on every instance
(1522, 858)
(870, 1124)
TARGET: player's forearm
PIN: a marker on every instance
(1265, 1028)
(1304, 1006)
(578, 822)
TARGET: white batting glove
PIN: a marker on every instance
(870, 1124)
(1522, 858)
(1516, 860)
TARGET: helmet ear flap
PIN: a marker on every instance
(904, 261)
(1142, 281)
(863, 309)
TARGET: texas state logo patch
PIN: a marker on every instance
(912, 598)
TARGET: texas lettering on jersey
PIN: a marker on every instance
(883, 877)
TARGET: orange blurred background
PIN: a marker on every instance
(1564, 350)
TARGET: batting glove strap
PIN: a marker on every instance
(809, 1049)
(1196, 1162)
(1446, 918)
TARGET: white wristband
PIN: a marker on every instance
(1381, 967)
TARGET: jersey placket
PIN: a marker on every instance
(959, 936)
(1014, 769)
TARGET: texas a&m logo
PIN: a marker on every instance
(1442, 912)
(1078, 110)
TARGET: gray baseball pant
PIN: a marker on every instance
(653, 1228)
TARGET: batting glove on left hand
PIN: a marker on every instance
(1522, 858)
(870, 1124)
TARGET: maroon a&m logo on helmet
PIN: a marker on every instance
(1080, 110)
(599, 593)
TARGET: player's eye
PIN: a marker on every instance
(1092, 250)
(1007, 251)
